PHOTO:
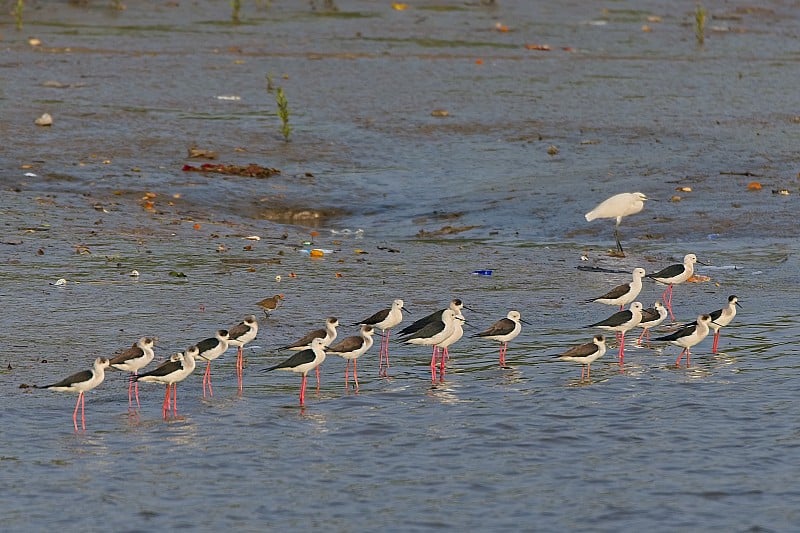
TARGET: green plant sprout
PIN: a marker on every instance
(700, 24)
(18, 13)
(236, 6)
(283, 113)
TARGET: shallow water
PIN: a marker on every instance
(649, 446)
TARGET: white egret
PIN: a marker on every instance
(618, 206)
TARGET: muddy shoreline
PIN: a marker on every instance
(626, 109)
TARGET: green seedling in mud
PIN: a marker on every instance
(283, 113)
(236, 6)
(18, 13)
(270, 85)
(700, 24)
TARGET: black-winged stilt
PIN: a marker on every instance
(688, 336)
(351, 348)
(327, 334)
(432, 334)
(303, 362)
(621, 322)
(81, 382)
(651, 318)
(239, 335)
(625, 293)
(444, 346)
(456, 305)
(172, 371)
(586, 354)
(209, 349)
(385, 320)
(721, 318)
(504, 331)
(674, 275)
(132, 360)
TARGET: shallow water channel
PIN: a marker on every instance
(428, 143)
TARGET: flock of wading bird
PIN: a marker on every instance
(439, 330)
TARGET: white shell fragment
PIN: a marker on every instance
(44, 120)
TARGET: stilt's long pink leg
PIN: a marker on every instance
(433, 364)
(75, 412)
(302, 384)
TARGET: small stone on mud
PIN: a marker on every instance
(202, 153)
(53, 84)
(44, 120)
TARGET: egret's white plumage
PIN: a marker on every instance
(618, 206)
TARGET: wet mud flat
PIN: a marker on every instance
(626, 109)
